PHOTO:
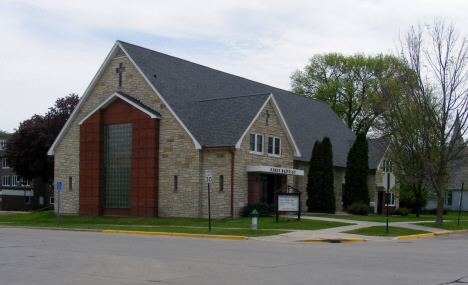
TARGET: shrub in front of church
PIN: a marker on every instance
(314, 178)
(356, 189)
(328, 192)
(264, 209)
(320, 179)
(358, 208)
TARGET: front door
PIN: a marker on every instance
(267, 192)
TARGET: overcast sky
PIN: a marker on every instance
(50, 49)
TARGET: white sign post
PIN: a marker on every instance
(209, 180)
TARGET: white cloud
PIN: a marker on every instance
(52, 48)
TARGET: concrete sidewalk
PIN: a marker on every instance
(337, 232)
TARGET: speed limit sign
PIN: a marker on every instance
(208, 176)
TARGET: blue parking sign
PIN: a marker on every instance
(59, 186)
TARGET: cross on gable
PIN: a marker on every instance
(267, 116)
(120, 70)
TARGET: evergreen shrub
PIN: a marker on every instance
(264, 209)
(358, 208)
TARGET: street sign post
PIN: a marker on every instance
(209, 180)
(59, 187)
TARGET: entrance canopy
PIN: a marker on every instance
(274, 170)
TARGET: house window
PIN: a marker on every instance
(51, 200)
(41, 200)
(14, 180)
(117, 165)
(175, 183)
(387, 166)
(5, 163)
(274, 146)
(70, 181)
(6, 180)
(448, 198)
(26, 183)
(256, 143)
(391, 198)
(221, 183)
(2, 144)
(27, 200)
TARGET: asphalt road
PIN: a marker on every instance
(29, 256)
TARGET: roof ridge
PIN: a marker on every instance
(239, 96)
(217, 70)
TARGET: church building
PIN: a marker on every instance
(149, 125)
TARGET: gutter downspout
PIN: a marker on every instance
(232, 177)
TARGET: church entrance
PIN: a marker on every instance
(264, 181)
(262, 187)
(267, 190)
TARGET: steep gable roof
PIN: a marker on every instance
(207, 101)
(182, 84)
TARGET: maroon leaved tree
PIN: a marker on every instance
(27, 148)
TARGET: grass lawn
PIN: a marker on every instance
(381, 231)
(393, 219)
(451, 225)
(380, 218)
(238, 227)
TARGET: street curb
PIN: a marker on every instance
(334, 240)
(174, 234)
(431, 234)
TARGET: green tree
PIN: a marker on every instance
(328, 191)
(27, 148)
(314, 178)
(357, 172)
(348, 84)
(423, 122)
(320, 178)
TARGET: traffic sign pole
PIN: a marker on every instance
(209, 180)
(209, 208)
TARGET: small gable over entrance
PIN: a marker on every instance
(119, 153)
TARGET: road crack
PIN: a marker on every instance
(458, 281)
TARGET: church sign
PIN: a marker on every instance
(275, 170)
(288, 202)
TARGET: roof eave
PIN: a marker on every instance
(85, 96)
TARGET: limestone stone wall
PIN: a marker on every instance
(301, 184)
(371, 184)
(219, 162)
(178, 156)
(244, 157)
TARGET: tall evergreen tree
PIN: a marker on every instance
(357, 171)
(314, 178)
(328, 191)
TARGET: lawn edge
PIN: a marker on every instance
(431, 234)
(175, 234)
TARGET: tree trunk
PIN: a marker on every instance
(440, 208)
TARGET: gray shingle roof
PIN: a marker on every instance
(377, 149)
(191, 89)
(138, 103)
(223, 121)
